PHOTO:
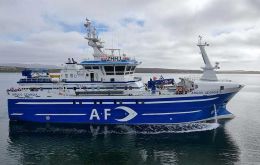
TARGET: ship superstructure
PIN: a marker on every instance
(105, 71)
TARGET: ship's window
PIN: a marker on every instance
(128, 68)
(109, 70)
(86, 74)
(95, 67)
(87, 67)
(112, 79)
(66, 75)
(110, 73)
(221, 87)
(71, 75)
(133, 68)
(119, 73)
(120, 70)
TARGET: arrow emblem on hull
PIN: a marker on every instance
(131, 114)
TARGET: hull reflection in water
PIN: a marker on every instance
(86, 144)
(28, 127)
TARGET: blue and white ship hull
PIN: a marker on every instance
(120, 110)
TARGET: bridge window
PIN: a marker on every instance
(109, 70)
(95, 67)
(87, 67)
(128, 68)
(133, 68)
(119, 70)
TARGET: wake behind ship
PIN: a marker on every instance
(105, 91)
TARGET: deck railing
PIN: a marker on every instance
(34, 80)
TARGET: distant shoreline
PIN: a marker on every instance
(163, 70)
(13, 69)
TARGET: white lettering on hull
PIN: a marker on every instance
(94, 114)
(107, 113)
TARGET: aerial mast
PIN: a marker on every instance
(209, 73)
(93, 40)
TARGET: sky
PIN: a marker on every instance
(161, 34)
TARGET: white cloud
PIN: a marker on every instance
(44, 31)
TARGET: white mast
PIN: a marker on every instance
(93, 40)
(209, 73)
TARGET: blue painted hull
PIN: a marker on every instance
(119, 111)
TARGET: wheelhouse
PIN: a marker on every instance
(108, 67)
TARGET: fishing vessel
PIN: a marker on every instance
(105, 90)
